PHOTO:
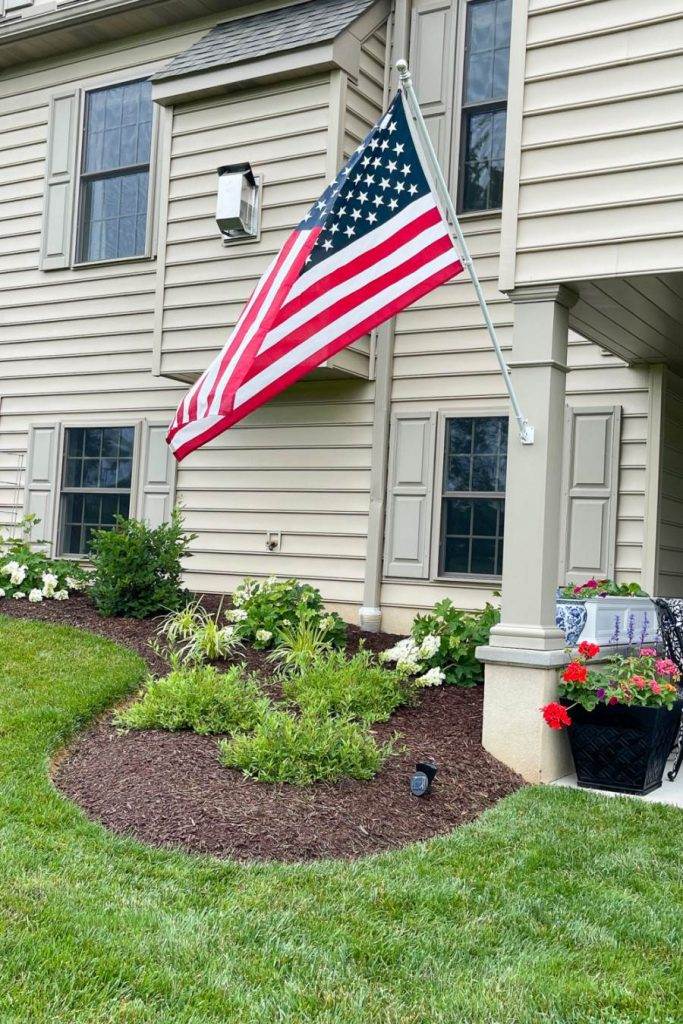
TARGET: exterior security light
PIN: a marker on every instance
(237, 208)
(421, 781)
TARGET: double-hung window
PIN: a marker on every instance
(484, 104)
(97, 473)
(473, 496)
(115, 172)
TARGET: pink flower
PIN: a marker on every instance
(647, 652)
(638, 682)
(666, 667)
(655, 687)
(593, 584)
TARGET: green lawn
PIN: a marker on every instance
(555, 906)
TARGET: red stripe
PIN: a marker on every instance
(348, 302)
(361, 262)
(301, 369)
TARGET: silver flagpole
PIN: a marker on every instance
(526, 431)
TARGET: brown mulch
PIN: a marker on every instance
(168, 789)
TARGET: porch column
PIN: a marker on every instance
(526, 648)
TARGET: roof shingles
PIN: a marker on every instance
(285, 28)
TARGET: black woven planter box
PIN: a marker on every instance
(620, 748)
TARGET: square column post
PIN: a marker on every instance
(526, 648)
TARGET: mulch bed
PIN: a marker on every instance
(168, 789)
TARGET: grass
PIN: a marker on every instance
(556, 906)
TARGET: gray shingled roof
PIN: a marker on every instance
(285, 28)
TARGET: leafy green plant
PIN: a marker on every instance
(601, 588)
(194, 634)
(137, 568)
(200, 698)
(304, 750)
(301, 645)
(442, 643)
(262, 609)
(354, 688)
(27, 572)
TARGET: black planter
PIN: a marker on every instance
(621, 748)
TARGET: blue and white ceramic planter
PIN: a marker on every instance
(608, 621)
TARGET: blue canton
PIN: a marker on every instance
(382, 177)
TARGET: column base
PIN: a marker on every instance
(517, 684)
(528, 638)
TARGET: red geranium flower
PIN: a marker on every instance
(556, 716)
(588, 649)
(575, 672)
(612, 701)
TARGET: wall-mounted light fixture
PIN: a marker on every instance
(238, 205)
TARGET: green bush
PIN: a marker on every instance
(353, 689)
(198, 698)
(442, 643)
(262, 609)
(193, 634)
(304, 750)
(27, 572)
(138, 569)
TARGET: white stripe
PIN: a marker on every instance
(361, 245)
(344, 323)
(276, 284)
(192, 430)
(323, 302)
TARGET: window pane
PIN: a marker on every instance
(458, 516)
(483, 557)
(74, 441)
(485, 518)
(93, 441)
(484, 472)
(113, 210)
(458, 475)
(479, 82)
(456, 554)
(126, 437)
(481, 18)
(460, 436)
(72, 474)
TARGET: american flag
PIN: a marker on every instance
(375, 242)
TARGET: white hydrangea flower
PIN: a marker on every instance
(61, 595)
(73, 584)
(227, 631)
(18, 595)
(35, 595)
(2, 592)
(430, 645)
(263, 635)
(9, 567)
(271, 581)
(50, 582)
(237, 615)
(409, 665)
(432, 678)
(4, 550)
(18, 575)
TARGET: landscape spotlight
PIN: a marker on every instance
(421, 781)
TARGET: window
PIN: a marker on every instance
(96, 483)
(484, 104)
(473, 497)
(114, 176)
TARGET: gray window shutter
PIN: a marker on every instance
(410, 485)
(432, 62)
(60, 173)
(590, 488)
(156, 489)
(41, 479)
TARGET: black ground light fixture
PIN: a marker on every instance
(421, 781)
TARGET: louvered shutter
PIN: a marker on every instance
(41, 479)
(432, 62)
(60, 172)
(410, 486)
(590, 488)
(156, 489)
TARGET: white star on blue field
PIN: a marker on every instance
(382, 177)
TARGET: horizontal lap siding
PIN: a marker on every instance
(444, 359)
(73, 344)
(301, 464)
(670, 560)
(602, 140)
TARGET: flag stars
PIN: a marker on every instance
(413, 190)
(362, 197)
(356, 214)
(376, 162)
(334, 228)
(384, 183)
(393, 203)
(378, 201)
(392, 127)
(398, 148)
(391, 166)
(328, 244)
(405, 169)
(350, 230)
(384, 145)
(399, 186)
(371, 217)
(369, 179)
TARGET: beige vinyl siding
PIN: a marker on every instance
(365, 98)
(670, 541)
(601, 140)
(444, 360)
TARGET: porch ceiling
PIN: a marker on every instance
(639, 318)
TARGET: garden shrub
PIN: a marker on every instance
(198, 698)
(442, 643)
(353, 689)
(264, 608)
(301, 645)
(303, 750)
(193, 634)
(137, 568)
(27, 572)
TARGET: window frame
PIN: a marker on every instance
(152, 192)
(61, 490)
(437, 572)
(460, 125)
